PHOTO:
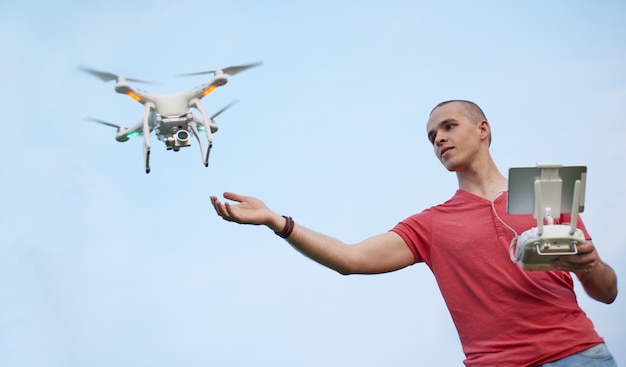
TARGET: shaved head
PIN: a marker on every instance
(470, 109)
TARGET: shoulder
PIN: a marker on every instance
(457, 199)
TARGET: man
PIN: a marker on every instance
(505, 316)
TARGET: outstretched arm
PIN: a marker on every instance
(597, 277)
(379, 254)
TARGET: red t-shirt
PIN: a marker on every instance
(505, 316)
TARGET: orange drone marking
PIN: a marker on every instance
(134, 96)
(209, 90)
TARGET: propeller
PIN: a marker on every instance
(223, 109)
(231, 70)
(107, 77)
(127, 134)
(117, 126)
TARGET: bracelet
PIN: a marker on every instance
(286, 232)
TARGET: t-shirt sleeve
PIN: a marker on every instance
(416, 233)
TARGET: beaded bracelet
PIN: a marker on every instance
(289, 224)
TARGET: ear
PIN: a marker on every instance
(485, 130)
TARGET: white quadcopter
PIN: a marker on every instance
(170, 115)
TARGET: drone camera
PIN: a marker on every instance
(182, 136)
(180, 139)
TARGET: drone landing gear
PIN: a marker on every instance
(205, 158)
(208, 152)
(146, 136)
(146, 157)
(209, 127)
(209, 138)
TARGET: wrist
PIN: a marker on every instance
(276, 222)
(287, 227)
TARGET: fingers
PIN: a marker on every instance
(575, 267)
(225, 209)
(585, 247)
(586, 254)
(228, 211)
(220, 208)
(234, 197)
(241, 209)
(584, 261)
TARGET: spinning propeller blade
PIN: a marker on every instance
(237, 69)
(231, 70)
(107, 77)
(224, 109)
(117, 126)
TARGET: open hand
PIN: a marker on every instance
(248, 210)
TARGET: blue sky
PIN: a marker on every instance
(103, 265)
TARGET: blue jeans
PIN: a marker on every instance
(598, 356)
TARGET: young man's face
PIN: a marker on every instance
(456, 140)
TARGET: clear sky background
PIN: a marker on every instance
(103, 265)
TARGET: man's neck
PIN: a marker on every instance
(486, 182)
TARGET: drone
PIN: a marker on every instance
(170, 116)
